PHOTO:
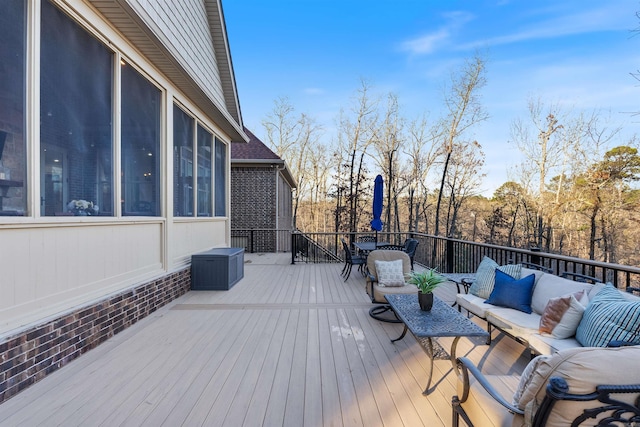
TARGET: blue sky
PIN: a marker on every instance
(576, 53)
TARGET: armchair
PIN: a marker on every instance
(570, 387)
(377, 285)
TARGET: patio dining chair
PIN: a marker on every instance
(410, 246)
(390, 248)
(351, 259)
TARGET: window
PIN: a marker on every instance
(205, 140)
(76, 148)
(13, 195)
(183, 125)
(183, 174)
(221, 180)
(141, 108)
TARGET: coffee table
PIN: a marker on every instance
(441, 321)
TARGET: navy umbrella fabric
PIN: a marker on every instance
(376, 223)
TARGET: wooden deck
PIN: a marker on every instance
(289, 345)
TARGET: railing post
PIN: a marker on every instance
(535, 259)
(294, 248)
(449, 256)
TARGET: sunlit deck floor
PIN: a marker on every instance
(289, 345)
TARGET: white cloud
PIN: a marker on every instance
(605, 18)
(431, 42)
(426, 44)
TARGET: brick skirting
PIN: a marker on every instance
(29, 356)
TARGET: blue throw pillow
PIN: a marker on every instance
(512, 293)
(486, 276)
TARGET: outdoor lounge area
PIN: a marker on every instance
(287, 345)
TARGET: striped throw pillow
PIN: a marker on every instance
(486, 276)
(609, 317)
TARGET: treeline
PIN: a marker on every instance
(574, 192)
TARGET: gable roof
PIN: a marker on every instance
(256, 153)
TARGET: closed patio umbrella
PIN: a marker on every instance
(376, 223)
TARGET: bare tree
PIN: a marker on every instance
(291, 138)
(463, 180)
(388, 143)
(464, 110)
(422, 153)
(356, 134)
(543, 150)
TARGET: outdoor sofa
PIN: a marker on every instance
(582, 386)
(549, 313)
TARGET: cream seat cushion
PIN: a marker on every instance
(583, 368)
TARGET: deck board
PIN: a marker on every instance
(288, 345)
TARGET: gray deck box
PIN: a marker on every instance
(217, 269)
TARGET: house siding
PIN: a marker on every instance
(70, 283)
(184, 29)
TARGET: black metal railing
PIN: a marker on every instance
(460, 256)
(261, 240)
(445, 254)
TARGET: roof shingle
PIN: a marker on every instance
(252, 150)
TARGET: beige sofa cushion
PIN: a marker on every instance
(514, 322)
(583, 368)
(527, 271)
(474, 304)
(551, 286)
(547, 344)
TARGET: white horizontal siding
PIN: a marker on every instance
(184, 29)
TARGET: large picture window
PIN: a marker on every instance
(205, 142)
(183, 125)
(13, 199)
(141, 108)
(76, 148)
(221, 178)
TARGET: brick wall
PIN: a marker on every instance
(30, 355)
(253, 197)
(253, 204)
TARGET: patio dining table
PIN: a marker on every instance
(367, 247)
